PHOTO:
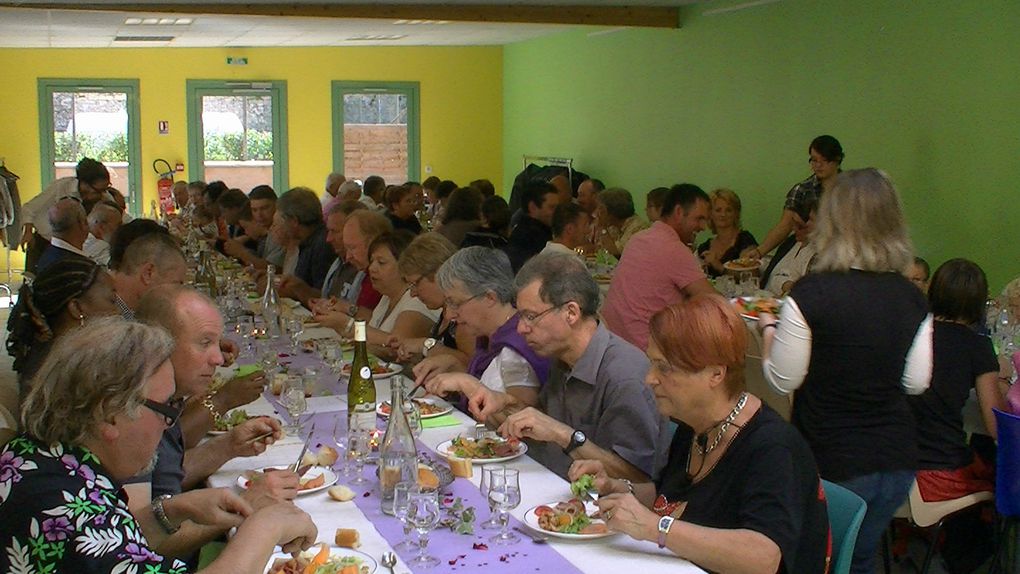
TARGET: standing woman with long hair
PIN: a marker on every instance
(853, 340)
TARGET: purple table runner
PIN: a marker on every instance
(458, 552)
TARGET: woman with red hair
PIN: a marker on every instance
(740, 491)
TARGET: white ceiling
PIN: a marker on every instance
(55, 28)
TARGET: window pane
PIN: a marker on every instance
(95, 125)
(375, 136)
(237, 135)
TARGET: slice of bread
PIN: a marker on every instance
(341, 493)
(347, 538)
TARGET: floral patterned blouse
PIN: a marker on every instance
(61, 513)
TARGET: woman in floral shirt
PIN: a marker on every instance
(88, 426)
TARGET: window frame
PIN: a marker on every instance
(276, 89)
(411, 90)
(47, 145)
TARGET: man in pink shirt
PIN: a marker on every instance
(658, 268)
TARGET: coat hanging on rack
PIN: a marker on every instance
(10, 208)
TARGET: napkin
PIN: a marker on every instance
(245, 370)
(443, 421)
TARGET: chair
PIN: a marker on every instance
(846, 513)
(1007, 492)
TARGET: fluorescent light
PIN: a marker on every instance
(133, 21)
(167, 21)
(150, 21)
(184, 21)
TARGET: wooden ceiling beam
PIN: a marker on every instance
(633, 16)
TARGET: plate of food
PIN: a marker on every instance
(742, 264)
(229, 421)
(482, 451)
(323, 559)
(314, 479)
(602, 278)
(751, 307)
(570, 519)
(380, 369)
(429, 408)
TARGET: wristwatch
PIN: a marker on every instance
(427, 345)
(577, 438)
(665, 523)
(353, 310)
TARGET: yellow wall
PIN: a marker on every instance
(461, 101)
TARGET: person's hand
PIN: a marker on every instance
(534, 424)
(241, 391)
(452, 383)
(290, 286)
(234, 248)
(241, 437)
(751, 253)
(484, 402)
(276, 484)
(319, 305)
(433, 366)
(217, 507)
(406, 350)
(229, 350)
(625, 513)
(603, 484)
(334, 319)
(27, 233)
(764, 320)
(294, 529)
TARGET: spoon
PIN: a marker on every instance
(389, 560)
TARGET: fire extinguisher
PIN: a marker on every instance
(165, 186)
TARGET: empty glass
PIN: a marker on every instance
(359, 445)
(293, 399)
(340, 439)
(246, 326)
(295, 327)
(483, 485)
(401, 500)
(423, 514)
(505, 495)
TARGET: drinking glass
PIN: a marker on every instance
(246, 326)
(310, 377)
(401, 500)
(505, 495)
(358, 447)
(268, 359)
(413, 414)
(329, 350)
(293, 399)
(295, 327)
(423, 514)
(483, 485)
(340, 438)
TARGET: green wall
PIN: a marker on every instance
(926, 91)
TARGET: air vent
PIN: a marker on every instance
(143, 38)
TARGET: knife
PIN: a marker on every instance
(304, 449)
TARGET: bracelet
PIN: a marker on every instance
(160, 514)
(630, 485)
(207, 403)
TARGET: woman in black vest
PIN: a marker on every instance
(853, 340)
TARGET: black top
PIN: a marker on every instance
(766, 481)
(484, 237)
(744, 240)
(851, 406)
(960, 357)
(527, 240)
(411, 224)
(54, 255)
(448, 336)
(315, 257)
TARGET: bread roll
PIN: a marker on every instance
(461, 467)
(347, 538)
(327, 456)
(341, 493)
(309, 459)
(427, 479)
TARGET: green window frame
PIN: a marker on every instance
(411, 90)
(129, 87)
(276, 89)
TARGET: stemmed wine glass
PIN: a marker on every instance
(483, 484)
(293, 399)
(505, 495)
(358, 446)
(401, 500)
(423, 514)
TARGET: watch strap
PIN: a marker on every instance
(160, 514)
(574, 442)
(665, 523)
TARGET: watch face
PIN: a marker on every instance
(579, 437)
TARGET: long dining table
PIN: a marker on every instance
(457, 552)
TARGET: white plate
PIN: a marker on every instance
(532, 521)
(331, 478)
(443, 449)
(333, 551)
(393, 369)
(446, 408)
(315, 333)
(739, 303)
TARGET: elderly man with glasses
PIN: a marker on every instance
(89, 427)
(595, 404)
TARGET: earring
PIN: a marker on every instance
(81, 319)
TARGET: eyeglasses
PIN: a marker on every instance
(531, 319)
(813, 161)
(171, 410)
(454, 305)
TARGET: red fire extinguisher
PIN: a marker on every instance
(165, 186)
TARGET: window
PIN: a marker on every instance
(92, 118)
(375, 130)
(237, 133)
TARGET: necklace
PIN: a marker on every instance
(702, 439)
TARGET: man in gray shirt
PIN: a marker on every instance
(595, 404)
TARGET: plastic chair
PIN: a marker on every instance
(846, 513)
(1007, 492)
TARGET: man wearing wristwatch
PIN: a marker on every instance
(595, 404)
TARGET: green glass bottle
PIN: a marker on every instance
(361, 388)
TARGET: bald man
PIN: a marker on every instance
(70, 228)
(104, 220)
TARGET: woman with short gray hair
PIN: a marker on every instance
(96, 413)
(478, 285)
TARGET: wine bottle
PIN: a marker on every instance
(271, 306)
(361, 387)
(398, 455)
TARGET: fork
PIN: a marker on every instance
(536, 538)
